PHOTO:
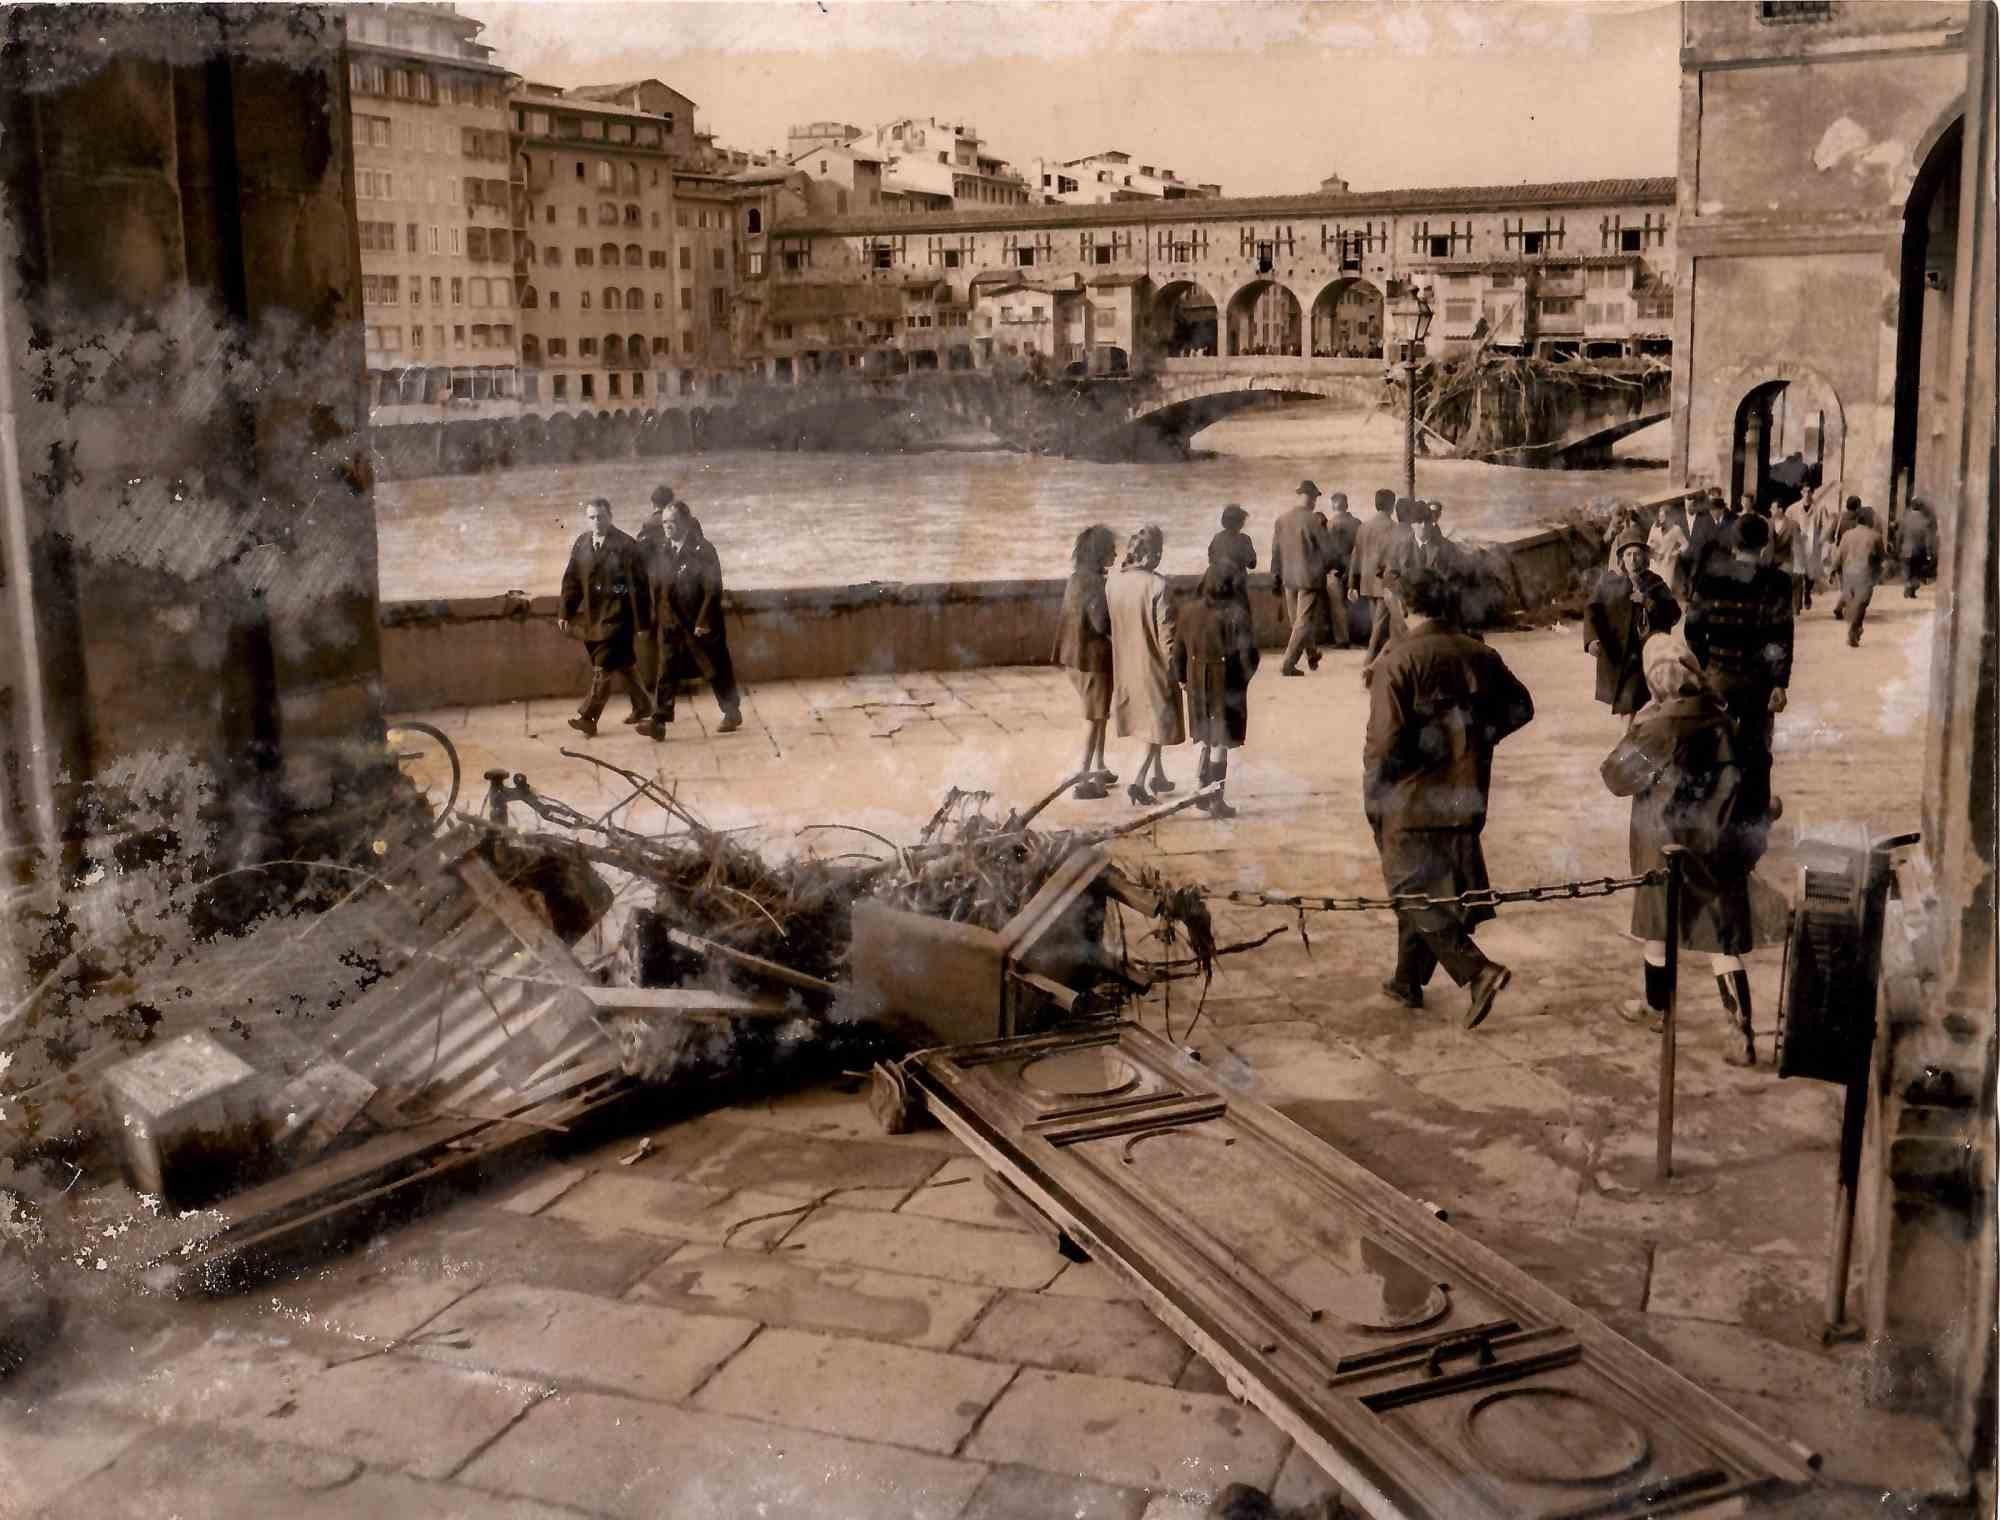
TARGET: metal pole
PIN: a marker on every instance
(1663, 1154)
(1410, 424)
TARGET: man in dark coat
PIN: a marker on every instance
(1739, 628)
(651, 537)
(1858, 561)
(606, 599)
(1371, 556)
(1629, 604)
(1298, 572)
(1920, 546)
(1705, 534)
(687, 609)
(1439, 704)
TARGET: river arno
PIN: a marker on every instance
(837, 519)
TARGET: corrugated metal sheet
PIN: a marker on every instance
(474, 1023)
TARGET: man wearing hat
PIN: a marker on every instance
(1371, 554)
(606, 599)
(1232, 546)
(1298, 571)
(1629, 604)
(1342, 528)
(1858, 561)
(651, 538)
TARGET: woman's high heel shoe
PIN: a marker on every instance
(1139, 795)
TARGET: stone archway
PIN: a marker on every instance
(1264, 318)
(1186, 321)
(1347, 320)
(1926, 289)
(1775, 412)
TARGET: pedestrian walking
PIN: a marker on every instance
(1372, 540)
(607, 601)
(1627, 606)
(1679, 764)
(1215, 656)
(651, 537)
(1083, 647)
(1298, 570)
(1738, 626)
(1145, 701)
(653, 531)
(1233, 546)
(687, 614)
(1705, 535)
(1858, 562)
(1439, 705)
(1342, 527)
(1920, 545)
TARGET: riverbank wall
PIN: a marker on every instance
(474, 652)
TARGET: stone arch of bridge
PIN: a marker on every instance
(1347, 319)
(1265, 316)
(1186, 320)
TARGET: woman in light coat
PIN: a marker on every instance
(1145, 701)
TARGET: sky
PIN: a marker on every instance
(1265, 97)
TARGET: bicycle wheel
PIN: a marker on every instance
(428, 761)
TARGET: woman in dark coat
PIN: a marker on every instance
(1214, 660)
(1083, 646)
(1678, 766)
(1628, 606)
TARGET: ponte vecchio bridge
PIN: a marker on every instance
(1222, 303)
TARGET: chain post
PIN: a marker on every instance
(1663, 1156)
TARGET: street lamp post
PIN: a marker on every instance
(1413, 315)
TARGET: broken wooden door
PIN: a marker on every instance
(1426, 1375)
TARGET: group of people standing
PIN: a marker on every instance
(666, 582)
(1699, 662)
(1441, 700)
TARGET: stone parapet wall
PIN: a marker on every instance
(474, 652)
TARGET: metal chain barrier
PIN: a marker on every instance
(1478, 897)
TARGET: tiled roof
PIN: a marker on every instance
(1594, 192)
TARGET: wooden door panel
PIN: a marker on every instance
(1428, 1376)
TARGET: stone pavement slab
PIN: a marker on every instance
(809, 1166)
(45, 1451)
(641, 1461)
(788, 1290)
(1022, 1493)
(384, 1310)
(958, 1190)
(1087, 1279)
(218, 1475)
(867, 1389)
(1069, 1334)
(575, 1340)
(1129, 1434)
(832, 1114)
(677, 1210)
(944, 1248)
(388, 1410)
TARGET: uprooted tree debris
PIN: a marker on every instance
(454, 1025)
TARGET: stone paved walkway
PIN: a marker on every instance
(781, 1312)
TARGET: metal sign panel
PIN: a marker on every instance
(1425, 1374)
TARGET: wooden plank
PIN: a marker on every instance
(527, 926)
(686, 1002)
(756, 965)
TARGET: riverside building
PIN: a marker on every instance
(434, 208)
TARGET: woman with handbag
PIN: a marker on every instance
(1678, 765)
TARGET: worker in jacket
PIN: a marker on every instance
(1342, 528)
(606, 601)
(1439, 704)
(687, 611)
(1858, 562)
(1298, 572)
(1402, 541)
(1627, 606)
(1920, 546)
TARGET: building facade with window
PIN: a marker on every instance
(929, 158)
(1098, 179)
(435, 212)
(1557, 269)
(599, 285)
